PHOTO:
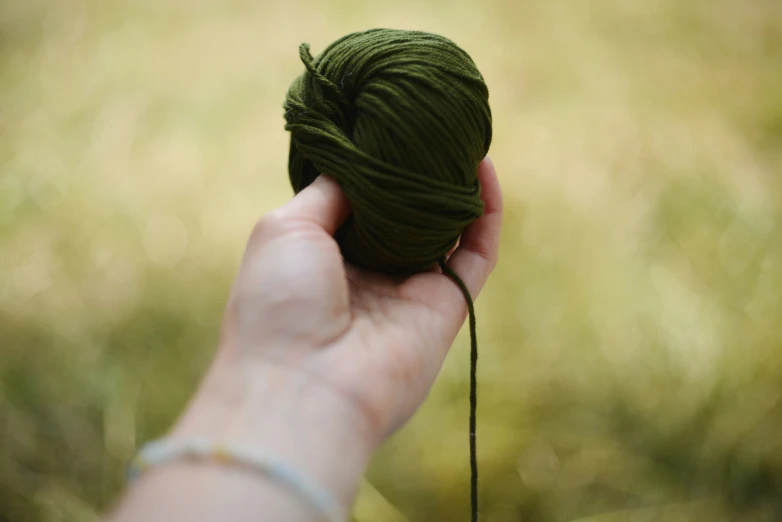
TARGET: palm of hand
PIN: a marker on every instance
(377, 340)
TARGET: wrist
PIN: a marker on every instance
(286, 411)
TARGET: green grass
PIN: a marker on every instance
(630, 337)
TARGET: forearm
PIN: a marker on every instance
(299, 420)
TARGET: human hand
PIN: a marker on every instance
(377, 341)
(318, 361)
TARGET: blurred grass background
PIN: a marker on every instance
(631, 346)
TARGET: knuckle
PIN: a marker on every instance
(267, 224)
(483, 252)
(492, 260)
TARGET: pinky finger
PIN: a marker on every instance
(478, 250)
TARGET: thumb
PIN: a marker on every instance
(322, 202)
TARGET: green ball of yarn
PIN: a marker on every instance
(401, 120)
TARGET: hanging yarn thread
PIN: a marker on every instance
(401, 120)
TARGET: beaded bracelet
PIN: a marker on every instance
(164, 451)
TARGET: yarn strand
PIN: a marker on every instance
(473, 389)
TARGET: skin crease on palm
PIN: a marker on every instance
(318, 362)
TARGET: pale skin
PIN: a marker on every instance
(318, 362)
